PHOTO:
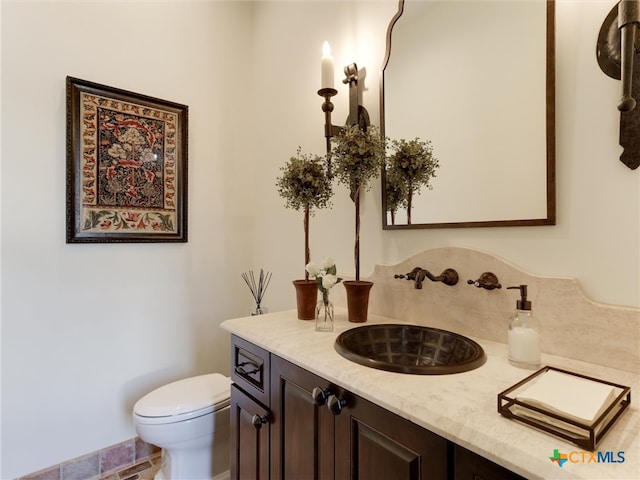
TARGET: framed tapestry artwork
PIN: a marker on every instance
(126, 166)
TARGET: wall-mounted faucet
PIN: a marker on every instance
(418, 274)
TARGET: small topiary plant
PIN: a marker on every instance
(305, 185)
(410, 167)
(358, 157)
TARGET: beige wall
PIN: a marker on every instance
(88, 329)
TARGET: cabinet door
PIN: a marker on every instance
(249, 437)
(301, 430)
(470, 466)
(375, 444)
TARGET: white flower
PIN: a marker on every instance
(325, 275)
(327, 263)
(313, 269)
(329, 281)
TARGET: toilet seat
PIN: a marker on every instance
(184, 400)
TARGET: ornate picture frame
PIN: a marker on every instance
(126, 166)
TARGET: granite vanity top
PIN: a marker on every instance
(460, 407)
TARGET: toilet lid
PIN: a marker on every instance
(185, 396)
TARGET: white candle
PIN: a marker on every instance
(327, 66)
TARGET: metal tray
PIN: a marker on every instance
(586, 436)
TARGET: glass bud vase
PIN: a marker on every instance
(324, 314)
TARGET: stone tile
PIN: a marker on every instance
(128, 472)
(145, 450)
(48, 474)
(108, 464)
(117, 457)
(83, 468)
(147, 474)
(144, 470)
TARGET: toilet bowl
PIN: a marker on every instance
(190, 421)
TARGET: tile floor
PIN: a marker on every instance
(130, 460)
(145, 470)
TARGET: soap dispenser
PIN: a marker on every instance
(524, 340)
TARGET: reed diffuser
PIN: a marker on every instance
(257, 289)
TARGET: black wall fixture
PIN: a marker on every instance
(618, 57)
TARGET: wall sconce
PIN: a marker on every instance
(358, 115)
(616, 52)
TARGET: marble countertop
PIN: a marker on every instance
(460, 407)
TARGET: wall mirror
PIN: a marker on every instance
(476, 78)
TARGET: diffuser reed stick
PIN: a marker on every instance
(257, 289)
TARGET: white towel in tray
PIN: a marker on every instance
(577, 398)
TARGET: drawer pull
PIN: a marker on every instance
(240, 370)
(335, 404)
(258, 421)
(320, 395)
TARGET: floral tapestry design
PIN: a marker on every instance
(128, 166)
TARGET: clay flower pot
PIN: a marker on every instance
(306, 298)
(357, 299)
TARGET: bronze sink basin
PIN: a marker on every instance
(411, 349)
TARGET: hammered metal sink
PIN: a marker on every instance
(410, 349)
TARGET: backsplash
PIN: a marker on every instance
(571, 325)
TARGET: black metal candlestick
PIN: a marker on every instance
(358, 115)
(329, 129)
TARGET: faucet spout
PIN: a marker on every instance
(418, 274)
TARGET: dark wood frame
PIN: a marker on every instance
(550, 218)
(139, 195)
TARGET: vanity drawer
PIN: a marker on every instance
(250, 367)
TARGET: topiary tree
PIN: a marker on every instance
(305, 185)
(395, 193)
(358, 157)
(412, 164)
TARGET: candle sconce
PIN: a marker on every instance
(358, 115)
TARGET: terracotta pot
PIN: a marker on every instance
(306, 298)
(357, 299)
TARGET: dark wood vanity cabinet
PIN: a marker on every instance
(294, 425)
(250, 412)
(470, 466)
(373, 443)
(249, 437)
(302, 429)
(321, 431)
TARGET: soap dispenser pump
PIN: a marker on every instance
(524, 340)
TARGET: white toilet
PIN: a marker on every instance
(190, 420)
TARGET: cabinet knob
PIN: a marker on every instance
(335, 404)
(258, 421)
(320, 395)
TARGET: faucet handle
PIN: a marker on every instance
(488, 281)
(410, 275)
(414, 275)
